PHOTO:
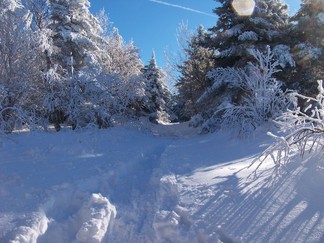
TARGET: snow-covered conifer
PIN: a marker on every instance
(308, 32)
(193, 80)
(77, 39)
(232, 42)
(76, 33)
(158, 99)
(234, 36)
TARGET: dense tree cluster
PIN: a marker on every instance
(219, 61)
(61, 65)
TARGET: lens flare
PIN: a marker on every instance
(243, 7)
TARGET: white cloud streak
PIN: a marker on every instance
(182, 7)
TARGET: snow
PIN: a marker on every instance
(154, 183)
(248, 35)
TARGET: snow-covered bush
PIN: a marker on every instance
(304, 131)
(255, 95)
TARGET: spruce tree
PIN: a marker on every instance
(77, 40)
(157, 99)
(308, 31)
(235, 36)
(193, 79)
(76, 33)
(231, 44)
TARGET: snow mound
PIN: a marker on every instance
(97, 214)
(31, 228)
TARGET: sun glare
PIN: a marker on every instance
(243, 7)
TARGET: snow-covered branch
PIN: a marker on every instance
(255, 95)
(304, 131)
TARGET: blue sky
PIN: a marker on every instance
(152, 24)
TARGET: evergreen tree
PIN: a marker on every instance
(235, 36)
(308, 31)
(76, 33)
(231, 43)
(77, 40)
(157, 99)
(194, 80)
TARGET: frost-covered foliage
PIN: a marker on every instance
(255, 95)
(94, 69)
(303, 129)
(283, 54)
(40, 13)
(60, 66)
(121, 58)
(9, 5)
(19, 69)
(248, 35)
(306, 53)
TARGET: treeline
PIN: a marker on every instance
(61, 65)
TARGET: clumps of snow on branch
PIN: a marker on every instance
(307, 52)
(304, 131)
(237, 29)
(282, 54)
(248, 35)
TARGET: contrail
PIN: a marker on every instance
(182, 7)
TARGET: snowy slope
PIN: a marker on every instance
(158, 184)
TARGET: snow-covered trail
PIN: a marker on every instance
(49, 180)
(158, 184)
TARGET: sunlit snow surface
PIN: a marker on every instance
(153, 183)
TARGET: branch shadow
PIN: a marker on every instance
(288, 209)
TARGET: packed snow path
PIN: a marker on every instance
(159, 184)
